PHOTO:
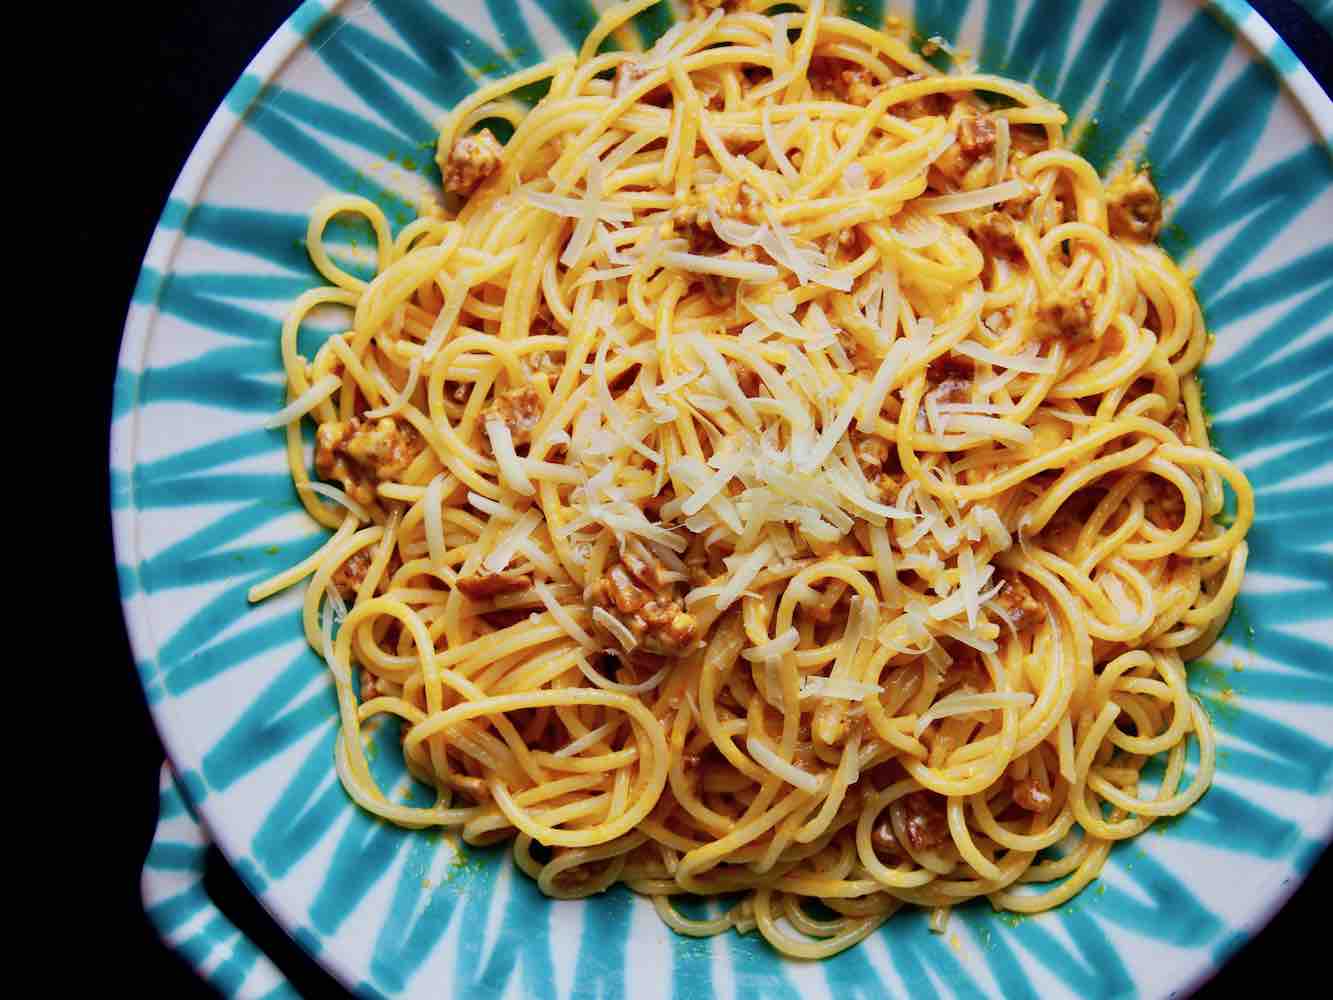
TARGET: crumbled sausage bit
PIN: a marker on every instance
(746, 377)
(882, 839)
(658, 622)
(1021, 609)
(486, 583)
(628, 73)
(859, 86)
(730, 200)
(369, 689)
(843, 81)
(1031, 795)
(997, 233)
(739, 201)
(1180, 425)
(652, 506)
(519, 409)
(1166, 507)
(472, 159)
(871, 451)
(976, 136)
(925, 820)
(859, 355)
(952, 390)
(1069, 315)
(711, 95)
(669, 628)
(926, 104)
(951, 367)
(1134, 209)
(360, 453)
(720, 289)
(348, 576)
(648, 572)
(889, 486)
(693, 224)
(1017, 206)
(542, 363)
(474, 788)
(824, 75)
(626, 597)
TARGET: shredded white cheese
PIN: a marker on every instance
(768, 759)
(321, 390)
(491, 508)
(498, 558)
(562, 616)
(512, 472)
(337, 496)
(966, 201)
(775, 647)
(1016, 362)
(967, 702)
(609, 685)
(619, 631)
(432, 516)
(590, 738)
(838, 688)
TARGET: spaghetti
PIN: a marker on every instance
(781, 471)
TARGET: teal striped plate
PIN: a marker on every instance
(342, 98)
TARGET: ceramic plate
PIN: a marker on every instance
(343, 98)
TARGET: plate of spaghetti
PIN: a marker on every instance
(787, 498)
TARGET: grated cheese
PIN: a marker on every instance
(336, 602)
(1003, 430)
(916, 233)
(768, 759)
(726, 381)
(775, 146)
(833, 432)
(775, 647)
(1017, 362)
(743, 574)
(432, 516)
(590, 738)
(745, 270)
(336, 667)
(809, 265)
(401, 396)
(512, 472)
(967, 702)
(337, 496)
(498, 558)
(838, 688)
(606, 684)
(562, 616)
(321, 390)
(492, 508)
(728, 467)
(619, 631)
(966, 201)
(737, 234)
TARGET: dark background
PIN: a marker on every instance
(161, 69)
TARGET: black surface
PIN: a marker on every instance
(158, 83)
